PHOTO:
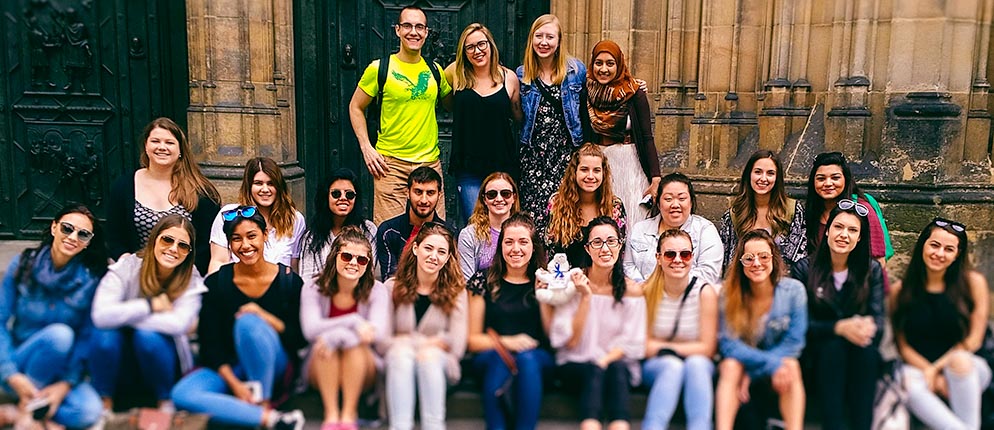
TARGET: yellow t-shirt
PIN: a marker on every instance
(408, 128)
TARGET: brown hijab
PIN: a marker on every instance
(608, 104)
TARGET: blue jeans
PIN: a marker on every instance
(532, 364)
(666, 375)
(260, 358)
(151, 356)
(43, 358)
(469, 193)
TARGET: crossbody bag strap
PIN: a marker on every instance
(679, 309)
(502, 351)
(547, 95)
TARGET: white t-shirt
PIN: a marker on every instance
(277, 250)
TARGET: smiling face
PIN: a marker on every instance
(412, 40)
(423, 197)
(171, 248)
(477, 49)
(603, 256)
(670, 256)
(352, 270)
(162, 148)
(342, 205)
(843, 234)
(829, 181)
(263, 190)
(605, 68)
(941, 249)
(675, 204)
(499, 205)
(247, 242)
(517, 247)
(432, 253)
(545, 41)
(763, 176)
(590, 173)
(758, 271)
(69, 245)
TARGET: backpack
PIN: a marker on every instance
(373, 115)
(883, 225)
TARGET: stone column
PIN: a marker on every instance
(241, 89)
(679, 52)
(848, 119)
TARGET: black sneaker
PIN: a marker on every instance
(293, 420)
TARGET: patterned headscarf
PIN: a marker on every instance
(608, 104)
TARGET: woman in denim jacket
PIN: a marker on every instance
(551, 95)
(48, 292)
(764, 318)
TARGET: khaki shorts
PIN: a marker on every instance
(390, 191)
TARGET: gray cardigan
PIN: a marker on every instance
(451, 328)
(118, 303)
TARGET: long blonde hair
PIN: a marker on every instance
(283, 214)
(654, 287)
(738, 289)
(188, 182)
(565, 218)
(480, 219)
(176, 283)
(464, 77)
(559, 59)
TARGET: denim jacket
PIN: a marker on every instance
(57, 297)
(784, 329)
(572, 86)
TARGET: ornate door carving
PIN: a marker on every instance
(336, 40)
(80, 79)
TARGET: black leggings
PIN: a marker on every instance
(846, 381)
(601, 391)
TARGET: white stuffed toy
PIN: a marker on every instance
(561, 288)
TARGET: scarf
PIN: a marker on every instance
(608, 104)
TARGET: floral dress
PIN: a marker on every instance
(545, 158)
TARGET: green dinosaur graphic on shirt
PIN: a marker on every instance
(418, 90)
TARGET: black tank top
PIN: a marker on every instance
(482, 142)
(933, 326)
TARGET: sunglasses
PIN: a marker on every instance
(82, 234)
(244, 212)
(941, 222)
(847, 204)
(492, 194)
(168, 241)
(750, 259)
(685, 255)
(337, 194)
(347, 257)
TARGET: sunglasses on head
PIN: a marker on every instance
(244, 212)
(182, 246)
(82, 234)
(347, 257)
(685, 255)
(492, 194)
(847, 204)
(337, 194)
(941, 222)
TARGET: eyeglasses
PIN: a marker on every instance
(750, 259)
(337, 194)
(347, 257)
(611, 242)
(478, 46)
(685, 255)
(847, 204)
(407, 27)
(82, 234)
(941, 222)
(244, 212)
(492, 194)
(168, 241)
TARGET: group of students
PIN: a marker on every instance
(779, 286)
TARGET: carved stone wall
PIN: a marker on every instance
(900, 87)
(242, 89)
